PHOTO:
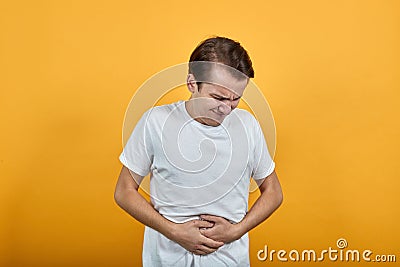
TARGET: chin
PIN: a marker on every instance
(213, 122)
(217, 122)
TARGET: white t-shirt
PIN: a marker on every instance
(196, 169)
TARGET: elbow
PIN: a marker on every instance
(279, 198)
(118, 197)
(123, 195)
(277, 189)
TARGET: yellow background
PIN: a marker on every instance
(330, 72)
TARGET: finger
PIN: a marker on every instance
(207, 232)
(200, 252)
(211, 218)
(213, 235)
(204, 232)
(203, 224)
(206, 250)
(211, 243)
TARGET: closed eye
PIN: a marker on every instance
(219, 98)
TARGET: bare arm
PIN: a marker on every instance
(270, 199)
(126, 195)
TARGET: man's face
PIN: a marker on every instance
(214, 100)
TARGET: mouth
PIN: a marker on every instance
(218, 113)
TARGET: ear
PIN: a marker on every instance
(191, 83)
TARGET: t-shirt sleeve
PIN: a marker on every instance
(263, 163)
(137, 154)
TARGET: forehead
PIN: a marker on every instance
(214, 89)
(224, 83)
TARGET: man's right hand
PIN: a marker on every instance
(185, 234)
(189, 237)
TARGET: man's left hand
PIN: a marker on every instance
(222, 230)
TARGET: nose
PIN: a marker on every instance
(225, 108)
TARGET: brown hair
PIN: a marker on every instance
(221, 50)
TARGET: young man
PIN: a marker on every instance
(200, 154)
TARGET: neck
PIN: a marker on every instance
(192, 112)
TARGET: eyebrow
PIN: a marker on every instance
(219, 97)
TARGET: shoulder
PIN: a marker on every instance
(246, 117)
(157, 115)
(161, 111)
